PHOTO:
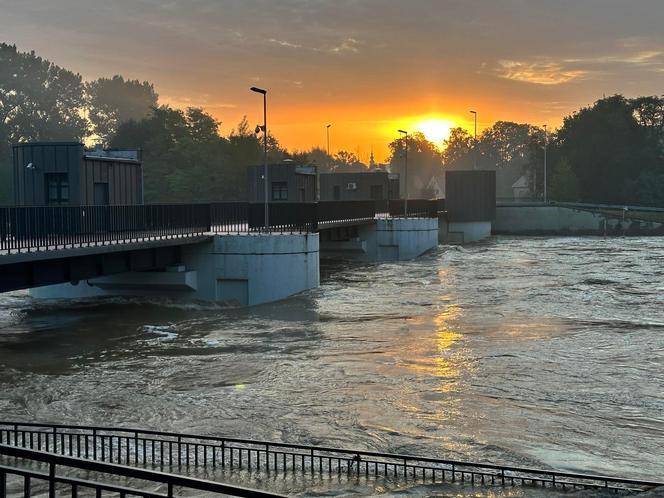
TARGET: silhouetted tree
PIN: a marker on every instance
(608, 150)
(562, 185)
(424, 162)
(113, 101)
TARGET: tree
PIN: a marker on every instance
(113, 101)
(458, 150)
(608, 150)
(563, 185)
(347, 162)
(424, 162)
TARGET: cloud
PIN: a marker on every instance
(348, 45)
(541, 72)
(284, 43)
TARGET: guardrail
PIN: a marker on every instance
(44, 228)
(56, 476)
(146, 447)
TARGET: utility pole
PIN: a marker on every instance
(327, 128)
(474, 113)
(545, 146)
(265, 168)
(405, 202)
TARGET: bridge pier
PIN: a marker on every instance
(388, 239)
(244, 270)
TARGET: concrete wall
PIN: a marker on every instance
(235, 269)
(396, 239)
(463, 232)
(556, 220)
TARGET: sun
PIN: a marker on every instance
(435, 129)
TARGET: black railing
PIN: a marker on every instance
(417, 208)
(283, 217)
(57, 477)
(27, 229)
(330, 212)
(47, 228)
(156, 448)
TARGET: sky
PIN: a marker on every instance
(368, 67)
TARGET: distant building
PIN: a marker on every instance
(65, 174)
(287, 182)
(521, 189)
(371, 185)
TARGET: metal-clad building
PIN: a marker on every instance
(287, 182)
(470, 195)
(360, 186)
(65, 174)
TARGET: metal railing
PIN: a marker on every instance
(50, 473)
(157, 448)
(47, 228)
(28, 229)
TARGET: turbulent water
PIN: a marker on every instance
(546, 352)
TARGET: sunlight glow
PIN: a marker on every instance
(435, 129)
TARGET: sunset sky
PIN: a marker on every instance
(368, 67)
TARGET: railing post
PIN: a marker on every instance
(51, 480)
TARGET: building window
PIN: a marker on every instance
(57, 188)
(336, 192)
(279, 191)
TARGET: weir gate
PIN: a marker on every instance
(40, 459)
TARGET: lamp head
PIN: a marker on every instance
(258, 90)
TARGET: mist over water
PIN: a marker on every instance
(546, 352)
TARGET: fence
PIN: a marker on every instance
(144, 447)
(60, 474)
(43, 228)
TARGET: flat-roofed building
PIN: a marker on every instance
(359, 186)
(287, 182)
(66, 174)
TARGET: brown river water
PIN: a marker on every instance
(541, 352)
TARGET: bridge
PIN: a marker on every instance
(45, 246)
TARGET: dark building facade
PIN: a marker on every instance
(470, 195)
(287, 182)
(65, 174)
(361, 186)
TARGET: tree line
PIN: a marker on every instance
(609, 152)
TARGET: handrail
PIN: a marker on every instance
(15, 427)
(130, 472)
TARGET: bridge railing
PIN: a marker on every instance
(417, 208)
(172, 450)
(38, 473)
(38, 228)
(344, 211)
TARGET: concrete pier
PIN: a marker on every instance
(234, 269)
(390, 239)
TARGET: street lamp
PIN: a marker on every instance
(474, 113)
(546, 139)
(405, 202)
(267, 210)
(327, 129)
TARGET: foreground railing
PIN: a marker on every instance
(34, 473)
(155, 448)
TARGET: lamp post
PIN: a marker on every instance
(474, 113)
(267, 210)
(546, 139)
(405, 202)
(327, 129)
